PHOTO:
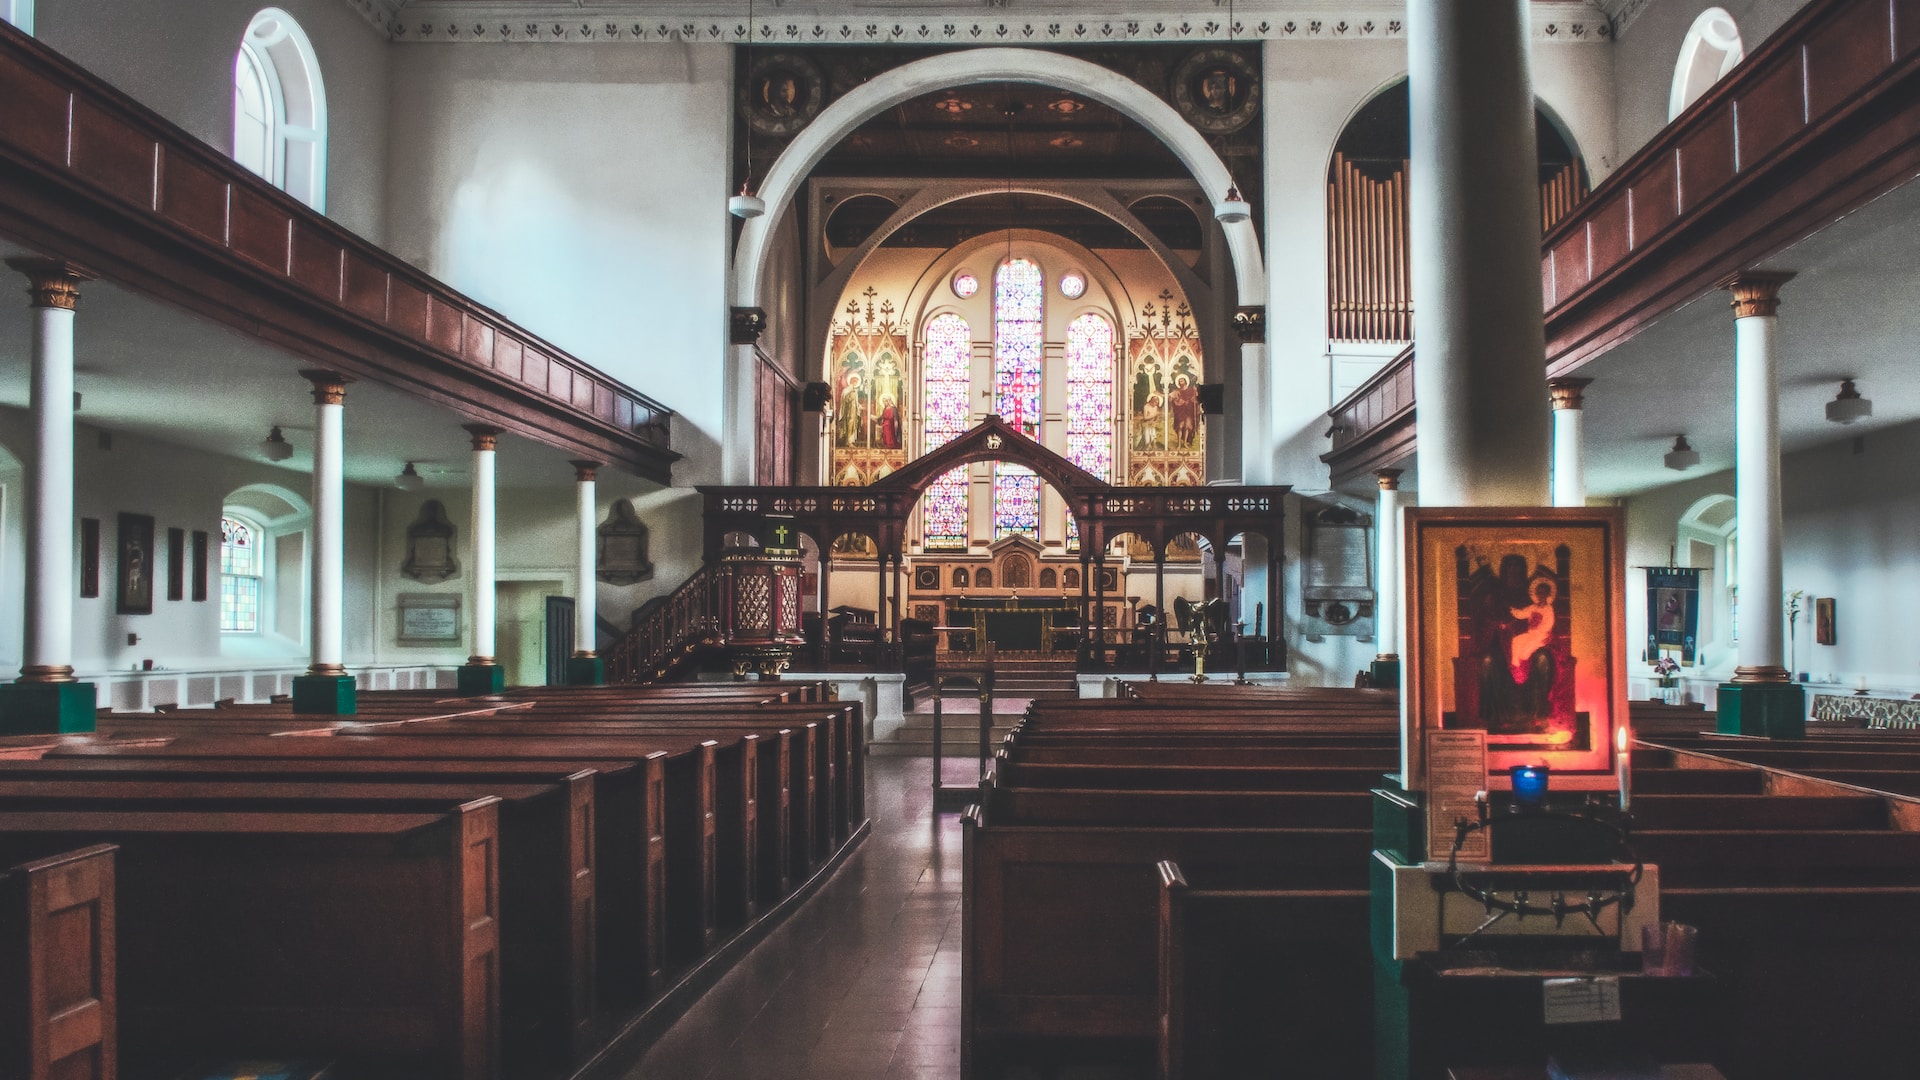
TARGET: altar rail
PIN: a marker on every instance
(1821, 118)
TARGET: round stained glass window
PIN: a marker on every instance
(1072, 286)
(965, 285)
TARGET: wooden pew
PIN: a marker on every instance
(1251, 977)
(57, 985)
(370, 936)
(548, 942)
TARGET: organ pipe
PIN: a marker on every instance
(1370, 292)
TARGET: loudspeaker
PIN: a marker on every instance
(816, 395)
(1213, 398)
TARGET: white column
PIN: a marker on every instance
(1763, 648)
(1569, 443)
(1474, 237)
(485, 560)
(585, 613)
(48, 647)
(1390, 601)
(739, 426)
(329, 522)
(1256, 415)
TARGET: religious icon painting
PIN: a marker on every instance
(133, 594)
(1673, 612)
(1517, 627)
(782, 92)
(1217, 89)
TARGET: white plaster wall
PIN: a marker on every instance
(176, 57)
(1851, 531)
(181, 489)
(580, 190)
(535, 531)
(1648, 50)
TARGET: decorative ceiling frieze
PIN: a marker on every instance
(465, 21)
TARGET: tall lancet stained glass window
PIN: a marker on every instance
(1090, 341)
(945, 363)
(1018, 296)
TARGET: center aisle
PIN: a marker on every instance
(864, 982)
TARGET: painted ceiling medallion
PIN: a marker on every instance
(783, 92)
(962, 142)
(1066, 142)
(965, 285)
(1067, 106)
(953, 106)
(1216, 90)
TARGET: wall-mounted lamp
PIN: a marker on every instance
(1682, 457)
(1848, 405)
(275, 446)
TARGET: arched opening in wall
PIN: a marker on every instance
(851, 221)
(280, 108)
(1369, 276)
(1711, 48)
(19, 13)
(261, 552)
(1707, 539)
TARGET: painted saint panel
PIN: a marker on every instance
(868, 355)
(1166, 433)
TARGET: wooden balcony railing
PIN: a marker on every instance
(1822, 118)
(90, 175)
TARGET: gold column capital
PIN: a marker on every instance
(485, 437)
(1388, 479)
(1568, 392)
(51, 283)
(1757, 292)
(329, 387)
(585, 471)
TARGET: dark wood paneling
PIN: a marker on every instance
(364, 288)
(1608, 234)
(1906, 28)
(193, 197)
(1706, 159)
(582, 393)
(1846, 53)
(1772, 110)
(258, 230)
(533, 369)
(446, 328)
(560, 381)
(316, 261)
(1656, 199)
(112, 155)
(35, 119)
(507, 354)
(1570, 264)
(479, 349)
(407, 308)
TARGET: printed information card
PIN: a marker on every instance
(1456, 772)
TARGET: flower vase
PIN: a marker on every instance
(1670, 690)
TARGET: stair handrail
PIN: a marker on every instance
(670, 629)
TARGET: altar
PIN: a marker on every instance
(1016, 624)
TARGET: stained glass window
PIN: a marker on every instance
(965, 285)
(945, 363)
(1090, 341)
(1018, 298)
(239, 577)
(1073, 286)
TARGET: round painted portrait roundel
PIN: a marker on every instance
(783, 92)
(1217, 90)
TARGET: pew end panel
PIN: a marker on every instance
(58, 1008)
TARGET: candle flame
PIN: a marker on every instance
(1620, 738)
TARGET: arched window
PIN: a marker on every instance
(1090, 361)
(946, 362)
(19, 13)
(241, 571)
(1710, 50)
(1019, 294)
(280, 108)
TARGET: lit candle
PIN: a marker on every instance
(1623, 758)
(1860, 684)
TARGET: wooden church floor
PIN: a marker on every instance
(861, 984)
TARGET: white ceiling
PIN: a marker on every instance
(147, 369)
(1849, 312)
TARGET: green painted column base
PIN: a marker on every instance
(1768, 710)
(325, 695)
(1385, 674)
(586, 671)
(62, 708)
(479, 679)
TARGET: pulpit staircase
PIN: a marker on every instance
(671, 637)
